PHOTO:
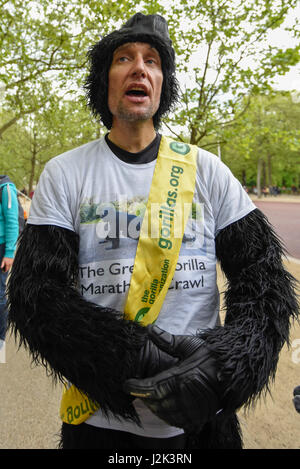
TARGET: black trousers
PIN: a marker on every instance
(85, 436)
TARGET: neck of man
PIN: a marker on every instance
(132, 136)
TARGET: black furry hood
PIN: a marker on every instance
(151, 29)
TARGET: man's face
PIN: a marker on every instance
(134, 82)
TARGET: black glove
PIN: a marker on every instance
(296, 399)
(187, 395)
(151, 360)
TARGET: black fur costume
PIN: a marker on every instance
(96, 349)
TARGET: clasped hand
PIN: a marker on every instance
(187, 394)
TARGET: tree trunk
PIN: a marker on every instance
(258, 177)
(33, 163)
(193, 136)
(269, 170)
(244, 180)
(264, 176)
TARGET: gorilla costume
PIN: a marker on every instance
(195, 382)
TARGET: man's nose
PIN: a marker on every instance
(138, 67)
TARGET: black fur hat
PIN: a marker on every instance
(152, 29)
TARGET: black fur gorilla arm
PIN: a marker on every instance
(260, 302)
(91, 346)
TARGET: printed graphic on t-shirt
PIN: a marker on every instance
(115, 223)
(109, 233)
(121, 219)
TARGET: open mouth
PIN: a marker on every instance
(135, 92)
(136, 96)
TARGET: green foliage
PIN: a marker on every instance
(226, 51)
(44, 45)
(30, 143)
(224, 60)
(268, 134)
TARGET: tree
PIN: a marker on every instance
(32, 50)
(43, 59)
(44, 45)
(28, 145)
(225, 45)
(264, 145)
(43, 62)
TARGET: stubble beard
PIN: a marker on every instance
(134, 116)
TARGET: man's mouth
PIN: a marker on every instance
(136, 94)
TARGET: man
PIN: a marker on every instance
(176, 384)
(9, 231)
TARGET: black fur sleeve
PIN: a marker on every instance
(91, 346)
(260, 302)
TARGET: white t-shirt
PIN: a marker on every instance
(102, 198)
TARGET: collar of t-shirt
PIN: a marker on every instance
(146, 155)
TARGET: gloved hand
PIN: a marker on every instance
(296, 399)
(188, 394)
(151, 360)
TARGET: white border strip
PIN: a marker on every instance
(2, 352)
(293, 259)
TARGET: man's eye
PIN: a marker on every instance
(123, 59)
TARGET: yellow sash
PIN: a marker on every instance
(168, 208)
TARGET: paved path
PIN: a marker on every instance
(29, 403)
(285, 217)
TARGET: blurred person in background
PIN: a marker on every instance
(9, 231)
